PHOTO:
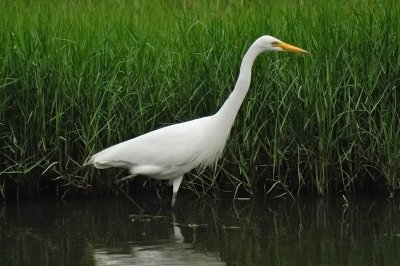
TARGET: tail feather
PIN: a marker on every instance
(88, 161)
(107, 158)
(103, 163)
(92, 160)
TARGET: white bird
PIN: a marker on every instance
(170, 152)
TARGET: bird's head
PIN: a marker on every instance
(268, 43)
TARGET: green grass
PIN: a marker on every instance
(78, 76)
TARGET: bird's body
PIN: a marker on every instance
(170, 152)
(144, 153)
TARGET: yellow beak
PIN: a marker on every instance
(290, 48)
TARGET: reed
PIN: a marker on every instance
(78, 76)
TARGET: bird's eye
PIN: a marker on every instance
(274, 43)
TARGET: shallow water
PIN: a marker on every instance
(201, 232)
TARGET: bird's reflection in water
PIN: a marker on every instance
(164, 251)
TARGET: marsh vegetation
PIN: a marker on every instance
(78, 76)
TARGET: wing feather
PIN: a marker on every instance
(165, 148)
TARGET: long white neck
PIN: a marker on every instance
(228, 111)
(224, 118)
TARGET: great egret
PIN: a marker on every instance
(170, 152)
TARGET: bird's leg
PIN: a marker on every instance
(125, 178)
(175, 187)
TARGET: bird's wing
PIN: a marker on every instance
(167, 147)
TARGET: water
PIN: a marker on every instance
(201, 232)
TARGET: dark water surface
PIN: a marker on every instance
(201, 232)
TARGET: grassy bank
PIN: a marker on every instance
(78, 76)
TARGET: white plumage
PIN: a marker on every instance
(170, 152)
(152, 154)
